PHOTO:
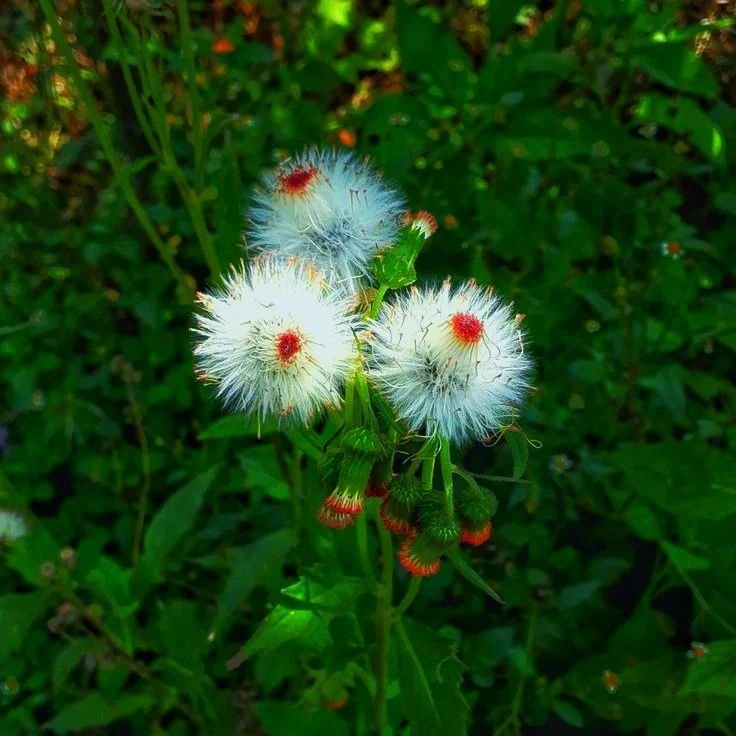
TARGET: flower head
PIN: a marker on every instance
(12, 526)
(328, 207)
(451, 361)
(276, 340)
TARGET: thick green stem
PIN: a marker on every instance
(446, 469)
(361, 532)
(384, 595)
(377, 301)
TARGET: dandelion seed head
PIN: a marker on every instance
(329, 207)
(276, 340)
(450, 360)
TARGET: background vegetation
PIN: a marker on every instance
(578, 154)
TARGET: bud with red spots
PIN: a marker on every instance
(419, 555)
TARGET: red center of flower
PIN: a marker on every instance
(288, 344)
(466, 327)
(673, 248)
(297, 181)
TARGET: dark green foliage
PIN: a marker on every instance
(579, 156)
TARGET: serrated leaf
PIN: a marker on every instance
(93, 710)
(175, 518)
(462, 566)
(519, 446)
(308, 608)
(430, 675)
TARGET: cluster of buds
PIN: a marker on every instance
(430, 522)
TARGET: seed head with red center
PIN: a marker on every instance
(467, 328)
(296, 182)
(276, 340)
(329, 207)
(450, 361)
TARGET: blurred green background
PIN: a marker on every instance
(578, 154)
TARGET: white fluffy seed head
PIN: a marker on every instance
(276, 340)
(329, 207)
(12, 526)
(451, 361)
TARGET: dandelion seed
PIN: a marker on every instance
(277, 340)
(451, 361)
(327, 207)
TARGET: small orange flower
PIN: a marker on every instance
(347, 137)
(223, 46)
(450, 222)
(611, 681)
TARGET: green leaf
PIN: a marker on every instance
(684, 560)
(237, 425)
(261, 467)
(456, 558)
(677, 66)
(501, 16)
(253, 565)
(519, 445)
(713, 673)
(304, 616)
(430, 675)
(93, 710)
(175, 518)
(568, 713)
(18, 614)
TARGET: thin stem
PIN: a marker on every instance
(103, 135)
(128, 77)
(446, 469)
(137, 417)
(411, 593)
(187, 43)
(383, 626)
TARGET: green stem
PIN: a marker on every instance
(187, 43)
(428, 472)
(384, 595)
(103, 135)
(411, 593)
(446, 469)
(135, 98)
(377, 301)
(361, 531)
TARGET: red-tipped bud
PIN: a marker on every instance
(345, 502)
(333, 520)
(396, 517)
(425, 222)
(379, 490)
(476, 537)
(419, 556)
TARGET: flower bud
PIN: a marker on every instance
(333, 520)
(398, 510)
(475, 536)
(438, 522)
(419, 555)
